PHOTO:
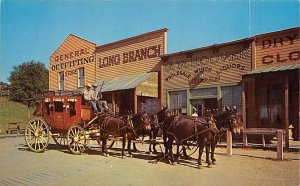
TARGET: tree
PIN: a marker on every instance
(27, 80)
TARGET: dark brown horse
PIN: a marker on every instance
(117, 127)
(183, 128)
(142, 126)
(225, 120)
(154, 132)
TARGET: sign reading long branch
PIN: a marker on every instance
(130, 56)
(207, 69)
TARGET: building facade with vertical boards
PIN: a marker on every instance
(259, 76)
(126, 71)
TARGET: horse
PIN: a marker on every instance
(153, 133)
(183, 128)
(142, 126)
(225, 120)
(116, 127)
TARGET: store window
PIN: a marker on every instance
(61, 80)
(178, 102)
(232, 96)
(81, 77)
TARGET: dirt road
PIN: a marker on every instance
(55, 166)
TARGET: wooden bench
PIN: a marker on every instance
(267, 131)
(14, 128)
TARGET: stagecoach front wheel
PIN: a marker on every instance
(76, 139)
(37, 135)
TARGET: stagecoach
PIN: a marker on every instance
(64, 117)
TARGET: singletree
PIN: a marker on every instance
(27, 80)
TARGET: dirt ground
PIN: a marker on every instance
(56, 166)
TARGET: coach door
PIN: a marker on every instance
(58, 112)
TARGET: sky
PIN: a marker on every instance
(34, 29)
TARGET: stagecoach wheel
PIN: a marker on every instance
(76, 139)
(109, 143)
(37, 135)
(191, 147)
(60, 140)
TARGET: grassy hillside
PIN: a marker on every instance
(13, 112)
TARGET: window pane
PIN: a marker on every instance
(61, 80)
(81, 77)
(178, 102)
(232, 96)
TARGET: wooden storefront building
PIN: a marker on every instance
(258, 75)
(272, 87)
(126, 71)
(206, 78)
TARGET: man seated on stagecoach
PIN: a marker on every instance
(97, 96)
(88, 99)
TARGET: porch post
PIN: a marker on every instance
(113, 103)
(244, 112)
(286, 110)
(135, 101)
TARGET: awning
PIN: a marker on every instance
(149, 80)
(273, 69)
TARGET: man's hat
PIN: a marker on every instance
(94, 85)
(88, 85)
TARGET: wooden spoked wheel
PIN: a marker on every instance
(109, 143)
(37, 135)
(60, 140)
(190, 147)
(76, 139)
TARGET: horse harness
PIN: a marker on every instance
(105, 121)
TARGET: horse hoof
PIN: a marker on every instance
(130, 156)
(209, 166)
(200, 166)
(214, 163)
(174, 163)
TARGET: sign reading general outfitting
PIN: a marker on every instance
(130, 56)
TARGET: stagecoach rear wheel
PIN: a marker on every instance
(76, 139)
(60, 140)
(109, 143)
(37, 135)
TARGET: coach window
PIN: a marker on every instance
(232, 96)
(72, 108)
(58, 106)
(81, 77)
(61, 80)
(178, 102)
